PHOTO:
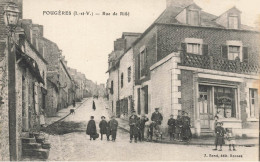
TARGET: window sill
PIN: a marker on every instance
(230, 120)
(252, 119)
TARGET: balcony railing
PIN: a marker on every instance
(218, 63)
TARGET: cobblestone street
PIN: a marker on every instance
(77, 146)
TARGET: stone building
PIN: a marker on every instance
(203, 64)
(121, 75)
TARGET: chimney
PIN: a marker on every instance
(178, 3)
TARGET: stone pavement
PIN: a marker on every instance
(248, 142)
(63, 113)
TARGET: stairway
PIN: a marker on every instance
(206, 133)
(34, 147)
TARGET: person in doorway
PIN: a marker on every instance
(186, 132)
(133, 126)
(91, 128)
(178, 128)
(219, 139)
(230, 139)
(171, 127)
(143, 120)
(113, 123)
(103, 126)
(93, 105)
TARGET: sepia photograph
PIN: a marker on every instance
(129, 80)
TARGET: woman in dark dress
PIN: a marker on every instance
(91, 128)
(94, 105)
(186, 127)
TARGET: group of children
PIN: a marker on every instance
(221, 134)
(179, 129)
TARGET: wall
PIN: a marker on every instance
(149, 41)
(113, 76)
(171, 36)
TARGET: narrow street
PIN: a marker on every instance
(77, 146)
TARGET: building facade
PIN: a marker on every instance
(206, 65)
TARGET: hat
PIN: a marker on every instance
(156, 108)
(221, 123)
(103, 117)
(133, 111)
(171, 115)
(92, 117)
(184, 112)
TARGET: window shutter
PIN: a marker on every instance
(245, 54)
(205, 49)
(184, 48)
(138, 63)
(146, 62)
(224, 51)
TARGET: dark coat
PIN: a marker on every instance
(94, 105)
(108, 129)
(103, 127)
(142, 122)
(91, 128)
(133, 120)
(171, 125)
(113, 125)
(186, 132)
(220, 132)
(157, 117)
(179, 125)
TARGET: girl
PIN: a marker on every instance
(230, 139)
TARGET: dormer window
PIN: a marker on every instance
(193, 17)
(233, 22)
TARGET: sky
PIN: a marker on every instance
(86, 41)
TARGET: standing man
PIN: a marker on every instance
(113, 126)
(74, 103)
(144, 119)
(133, 128)
(157, 117)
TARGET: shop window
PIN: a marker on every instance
(225, 102)
(253, 97)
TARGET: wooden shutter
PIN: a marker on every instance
(184, 48)
(224, 51)
(146, 62)
(138, 63)
(205, 49)
(245, 54)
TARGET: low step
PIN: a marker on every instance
(36, 153)
(31, 146)
(28, 140)
(40, 140)
(46, 145)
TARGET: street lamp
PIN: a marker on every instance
(11, 15)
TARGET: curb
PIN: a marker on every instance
(66, 115)
(185, 143)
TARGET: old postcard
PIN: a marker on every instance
(129, 80)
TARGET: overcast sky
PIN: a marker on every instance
(86, 41)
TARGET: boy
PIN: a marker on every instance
(103, 126)
(113, 127)
(220, 132)
(230, 139)
(171, 127)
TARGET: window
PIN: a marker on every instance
(253, 97)
(122, 80)
(233, 52)
(193, 18)
(193, 48)
(143, 62)
(129, 74)
(225, 102)
(233, 22)
(112, 87)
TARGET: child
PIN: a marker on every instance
(230, 139)
(171, 127)
(219, 140)
(150, 131)
(103, 126)
(178, 128)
